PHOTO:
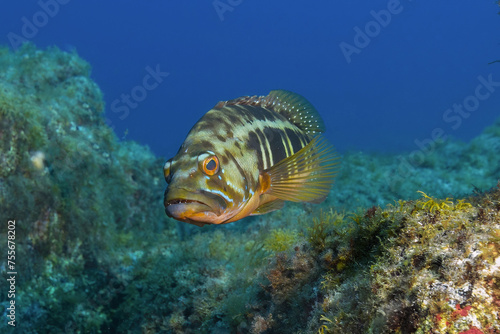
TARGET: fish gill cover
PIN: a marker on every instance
(95, 252)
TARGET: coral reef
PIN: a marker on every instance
(394, 249)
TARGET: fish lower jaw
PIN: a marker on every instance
(184, 209)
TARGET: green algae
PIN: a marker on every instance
(97, 253)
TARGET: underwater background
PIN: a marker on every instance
(407, 241)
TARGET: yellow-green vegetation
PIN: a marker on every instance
(322, 225)
(432, 205)
(280, 240)
(324, 328)
(99, 255)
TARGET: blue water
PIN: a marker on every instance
(390, 89)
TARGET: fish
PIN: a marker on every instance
(246, 157)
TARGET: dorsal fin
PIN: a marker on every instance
(297, 110)
(291, 105)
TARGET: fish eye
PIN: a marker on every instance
(210, 165)
(166, 170)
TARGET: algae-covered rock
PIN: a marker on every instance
(72, 189)
(429, 266)
(95, 253)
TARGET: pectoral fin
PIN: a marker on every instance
(306, 176)
(268, 207)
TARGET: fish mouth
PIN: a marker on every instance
(197, 208)
(181, 201)
(178, 206)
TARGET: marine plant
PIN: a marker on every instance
(280, 240)
(432, 204)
